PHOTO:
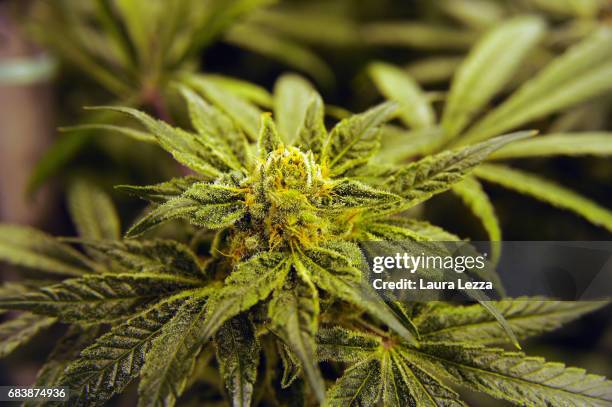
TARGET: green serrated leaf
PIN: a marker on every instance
(397, 85)
(360, 385)
(207, 205)
(335, 273)
(342, 345)
(268, 139)
(99, 298)
(163, 191)
(251, 282)
(115, 359)
(65, 351)
(193, 151)
(20, 330)
(408, 381)
(347, 193)
(546, 191)
(512, 376)
(150, 256)
(211, 123)
(93, 212)
(354, 140)
(238, 356)
(437, 173)
(398, 229)
(171, 357)
(312, 134)
(294, 311)
(27, 247)
(473, 324)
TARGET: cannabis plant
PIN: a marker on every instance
(270, 284)
(576, 77)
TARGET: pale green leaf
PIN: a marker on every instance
(27, 247)
(418, 35)
(471, 193)
(244, 89)
(354, 140)
(93, 212)
(526, 316)
(211, 123)
(245, 114)
(397, 85)
(487, 69)
(281, 48)
(238, 356)
(20, 330)
(546, 191)
(124, 130)
(584, 71)
(567, 144)
(292, 95)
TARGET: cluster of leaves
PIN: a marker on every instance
(582, 73)
(448, 29)
(279, 275)
(134, 48)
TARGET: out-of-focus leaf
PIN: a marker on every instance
(418, 35)
(433, 69)
(93, 212)
(27, 247)
(247, 90)
(582, 72)
(546, 191)
(245, 114)
(397, 85)
(488, 67)
(472, 194)
(20, 330)
(569, 144)
(282, 49)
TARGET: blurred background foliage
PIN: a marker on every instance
(57, 56)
